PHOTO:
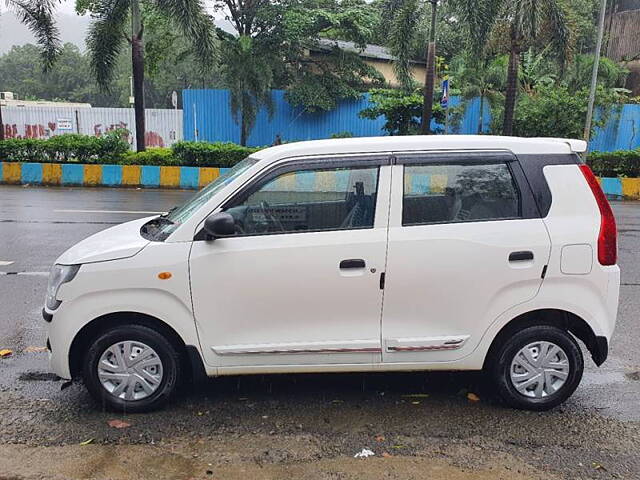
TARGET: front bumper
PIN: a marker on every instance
(57, 347)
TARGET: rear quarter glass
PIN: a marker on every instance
(533, 165)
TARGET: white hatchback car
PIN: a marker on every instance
(364, 254)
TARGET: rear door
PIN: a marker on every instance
(465, 244)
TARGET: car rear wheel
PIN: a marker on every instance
(132, 368)
(537, 368)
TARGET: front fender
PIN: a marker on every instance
(72, 317)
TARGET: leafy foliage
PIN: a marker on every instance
(113, 149)
(248, 75)
(556, 111)
(110, 30)
(402, 110)
(578, 74)
(621, 163)
(70, 148)
(402, 37)
(203, 154)
(279, 46)
(38, 16)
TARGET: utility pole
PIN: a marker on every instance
(429, 81)
(594, 74)
(137, 58)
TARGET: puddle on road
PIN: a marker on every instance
(38, 377)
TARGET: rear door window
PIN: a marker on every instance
(451, 193)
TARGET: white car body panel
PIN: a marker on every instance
(298, 306)
(125, 285)
(453, 280)
(120, 241)
(279, 303)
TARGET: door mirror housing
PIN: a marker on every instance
(219, 225)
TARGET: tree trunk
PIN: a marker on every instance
(430, 76)
(243, 126)
(512, 90)
(481, 113)
(1, 125)
(137, 63)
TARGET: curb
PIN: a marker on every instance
(147, 176)
(74, 174)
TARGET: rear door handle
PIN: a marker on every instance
(352, 263)
(520, 256)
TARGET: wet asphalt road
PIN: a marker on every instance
(289, 421)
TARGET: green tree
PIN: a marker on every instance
(248, 75)
(524, 19)
(517, 24)
(402, 110)
(37, 15)
(480, 79)
(108, 32)
(557, 111)
(287, 45)
(404, 30)
(578, 74)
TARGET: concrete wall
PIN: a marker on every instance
(164, 126)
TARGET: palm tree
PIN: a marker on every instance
(404, 29)
(484, 79)
(108, 33)
(248, 74)
(522, 20)
(525, 18)
(37, 15)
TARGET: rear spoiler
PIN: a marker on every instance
(576, 146)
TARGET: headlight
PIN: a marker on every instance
(59, 274)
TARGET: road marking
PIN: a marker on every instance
(4, 263)
(132, 212)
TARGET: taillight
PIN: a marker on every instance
(608, 236)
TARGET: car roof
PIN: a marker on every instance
(399, 144)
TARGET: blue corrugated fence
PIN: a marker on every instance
(208, 117)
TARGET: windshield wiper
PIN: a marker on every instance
(169, 212)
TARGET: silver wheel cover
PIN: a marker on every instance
(130, 370)
(540, 369)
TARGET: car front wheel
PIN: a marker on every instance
(537, 368)
(131, 368)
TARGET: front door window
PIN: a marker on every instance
(309, 200)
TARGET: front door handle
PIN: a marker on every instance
(520, 256)
(352, 263)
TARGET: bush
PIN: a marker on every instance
(68, 148)
(113, 149)
(152, 156)
(621, 163)
(202, 154)
(344, 134)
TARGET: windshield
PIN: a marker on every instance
(161, 227)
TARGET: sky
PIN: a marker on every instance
(72, 28)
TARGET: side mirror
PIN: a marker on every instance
(219, 225)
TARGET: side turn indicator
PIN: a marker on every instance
(164, 275)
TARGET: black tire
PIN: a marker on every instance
(166, 352)
(499, 367)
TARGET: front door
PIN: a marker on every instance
(465, 244)
(299, 284)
